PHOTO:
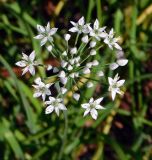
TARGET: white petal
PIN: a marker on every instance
(21, 63)
(57, 110)
(99, 107)
(48, 27)
(120, 83)
(91, 100)
(38, 80)
(43, 41)
(51, 99)
(32, 70)
(25, 57)
(86, 112)
(73, 23)
(98, 101)
(85, 105)
(114, 66)
(43, 96)
(81, 21)
(103, 35)
(32, 56)
(62, 107)
(117, 46)
(94, 113)
(111, 33)
(49, 109)
(122, 62)
(73, 29)
(53, 31)
(110, 80)
(96, 24)
(25, 70)
(40, 28)
(48, 85)
(37, 94)
(40, 36)
(113, 94)
(76, 96)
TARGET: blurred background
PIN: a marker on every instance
(123, 132)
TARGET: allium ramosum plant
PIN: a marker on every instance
(77, 62)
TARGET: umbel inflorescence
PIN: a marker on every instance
(77, 62)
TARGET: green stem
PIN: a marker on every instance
(64, 135)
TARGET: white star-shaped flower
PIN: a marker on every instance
(98, 32)
(28, 63)
(42, 89)
(45, 33)
(80, 26)
(114, 86)
(111, 41)
(54, 105)
(92, 107)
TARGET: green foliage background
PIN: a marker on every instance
(122, 132)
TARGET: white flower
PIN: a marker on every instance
(92, 107)
(62, 74)
(80, 26)
(49, 48)
(73, 50)
(111, 41)
(28, 63)
(86, 70)
(54, 105)
(85, 39)
(64, 53)
(92, 44)
(93, 52)
(114, 85)
(55, 70)
(76, 96)
(45, 33)
(98, 32)
(41, 89)
(95, 63)
(63, 90)
(100, 74)
(63, 80)
(67, 37)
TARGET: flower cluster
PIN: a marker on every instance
(77, 63)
